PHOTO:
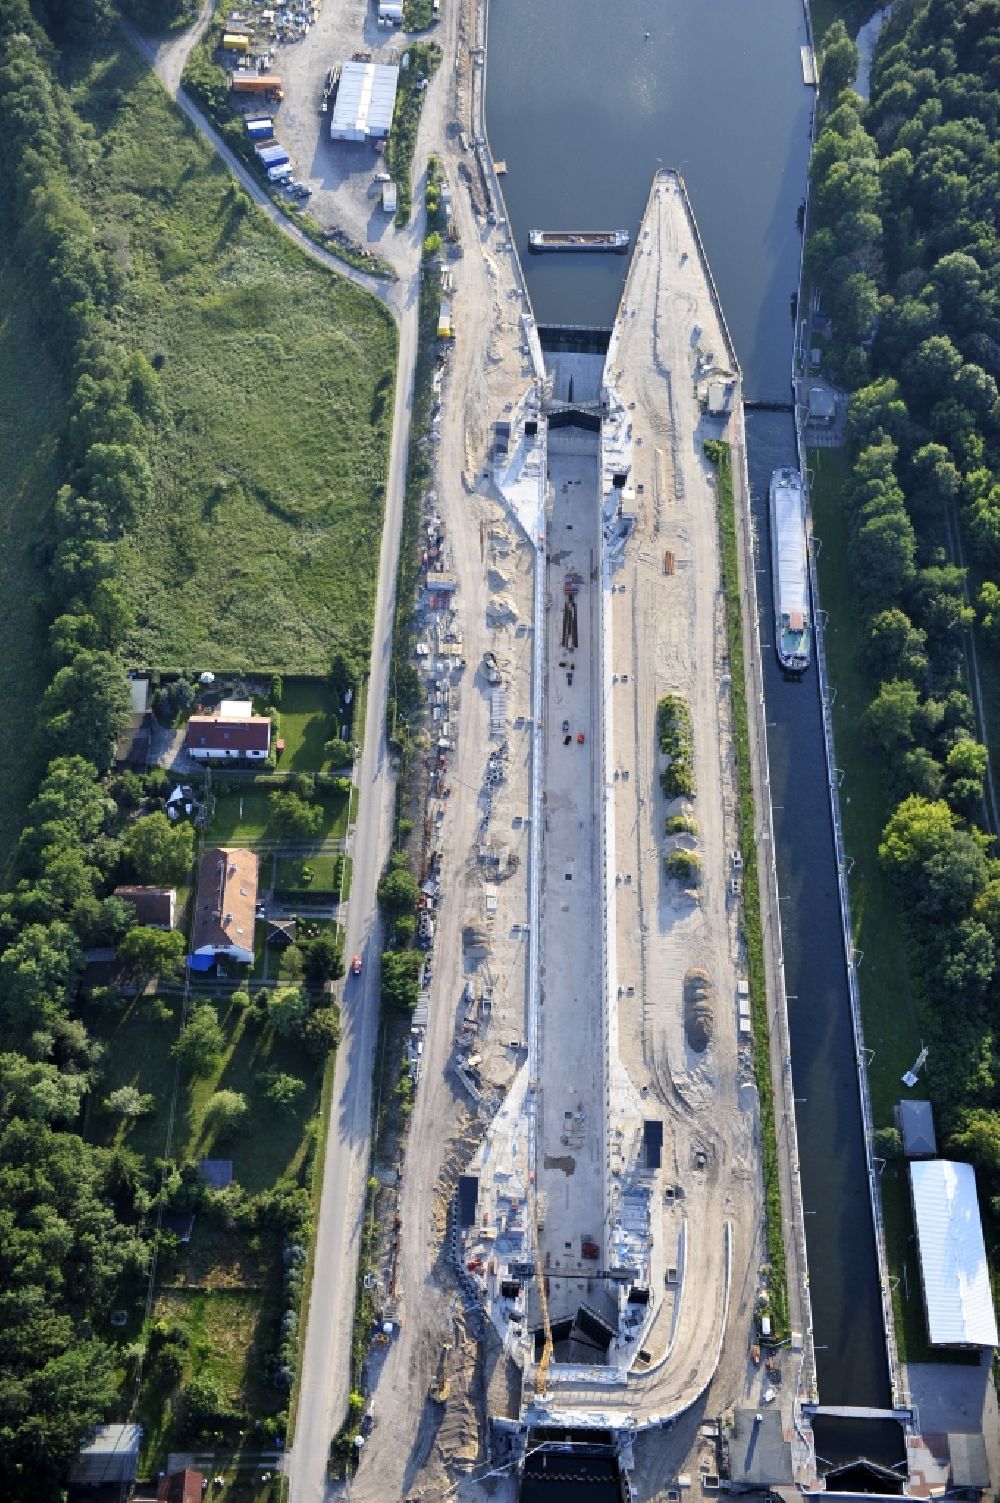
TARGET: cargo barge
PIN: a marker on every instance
(578, 240)
(790, 572)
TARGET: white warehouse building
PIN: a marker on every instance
(366, 97)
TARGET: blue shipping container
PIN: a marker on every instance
(260, 130)
(273, 156)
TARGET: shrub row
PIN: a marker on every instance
(676, 741)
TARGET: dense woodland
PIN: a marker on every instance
(905, 249)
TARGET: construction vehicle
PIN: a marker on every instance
(441, 1386)
(491, 668)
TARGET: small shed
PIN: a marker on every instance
(916, 1126)
(111, 1456)
(281, 932)
(217, 1173)
(822, 405)
(719, 399)
(970, 1468)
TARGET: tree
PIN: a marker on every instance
(884, 556)
(281, 1090)
(287, 1009)
(37, 972)
(226, 1110)
(839, 60)
(294, 817)
(978, 1138)
(129, 1101)
(989, 610)
(201, 1042)
(323, 959)
(888, 721)
(340, 753)
(153, 952)
(965, 773)
(932, 370)
(37, 1091)
(86, 707)
(321, 1034)
(888, 1143)
(895, 647)
(398, 890)
(939, 868)
(400, 979)
(159, 852)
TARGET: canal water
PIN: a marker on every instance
(583, 108)
(585, 98)
(851, 1362)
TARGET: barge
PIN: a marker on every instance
(578, 240)
(790, 572)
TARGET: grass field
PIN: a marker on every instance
(261, 548)
(32, 416)
(889, 1008)
(138, 1053)
(307, 723)
(290, 871)
(246, 817)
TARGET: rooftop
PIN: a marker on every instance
(366, 97)
(229, 733)
(111, 1455)
(916, 1123)
(227, 901)
(953, 1266)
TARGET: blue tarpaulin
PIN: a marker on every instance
(201, 962)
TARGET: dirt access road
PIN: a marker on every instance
(488, 369)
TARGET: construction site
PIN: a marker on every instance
(611, 1210)
(585, 1136)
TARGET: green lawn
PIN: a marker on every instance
(279, 1145)
(854, 14)
(243, 818)
(261, 549)
(138, 1053)
(307, 722)
(32, 416)
(889, 1009)
(291, 871)
(137, 1045)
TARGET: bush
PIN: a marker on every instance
(680, 824)
(129, 1101)
(683, 866)
(888, 1143)
(676, 741)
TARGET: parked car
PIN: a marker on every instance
(356, 966)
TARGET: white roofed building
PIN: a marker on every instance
(953, 1271)
(366, 97)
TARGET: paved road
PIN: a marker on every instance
(326, 1356)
